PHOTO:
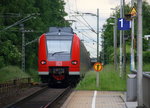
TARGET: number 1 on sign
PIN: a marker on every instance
(130, 24)
(121, 20)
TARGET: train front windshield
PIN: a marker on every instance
(58, 46)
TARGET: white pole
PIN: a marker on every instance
(139, 56)
(97, 74)
(132, 42)
(121, 16)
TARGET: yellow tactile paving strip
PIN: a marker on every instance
(104, 99)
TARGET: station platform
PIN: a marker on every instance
(97, 99)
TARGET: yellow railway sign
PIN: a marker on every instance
(133, 12)
(98, 66)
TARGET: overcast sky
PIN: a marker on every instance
(90, 6)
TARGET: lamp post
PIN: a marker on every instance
(115, 39)
(97, 35)
(115, 44)
(132, 42)
(97, 76)
(139, 56)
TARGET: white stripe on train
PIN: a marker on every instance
(70, 73)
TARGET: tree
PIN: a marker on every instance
(51, 14)
(107, 34)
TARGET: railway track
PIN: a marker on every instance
(47, 98)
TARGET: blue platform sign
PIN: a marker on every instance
(123, 24)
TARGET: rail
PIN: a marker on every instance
(13, 88)
(146, 88)
(58, 98)
(44, 98)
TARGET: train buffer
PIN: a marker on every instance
(98, 99)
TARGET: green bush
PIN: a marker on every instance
(146, 56)
(34, 74)
(2, 62)
(10, 73)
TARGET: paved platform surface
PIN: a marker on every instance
(97, 99)
(129, 104)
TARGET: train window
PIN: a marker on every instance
(55, 46)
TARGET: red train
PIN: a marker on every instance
(62, 57)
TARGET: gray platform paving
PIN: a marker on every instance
(98, 99)
(129, 104)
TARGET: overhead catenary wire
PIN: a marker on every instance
(88, 25)
(83, 23)
(8, 15)
(20, 21)
(91, 47)
(87, 36)
(90, 38)
(103, 11)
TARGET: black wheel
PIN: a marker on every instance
(50, 83)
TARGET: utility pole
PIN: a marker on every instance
(115, 39)
(23, 47)
(121, 16)
(125, 37)
(115, 44)
(132, 41)
(23, 37)
(139, 56)
(123, 46)
(97, 35)
(103, 52)
(97, 73)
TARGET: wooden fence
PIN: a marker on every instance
(13, 88)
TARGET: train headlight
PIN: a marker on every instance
(43, 62)
(74, 62)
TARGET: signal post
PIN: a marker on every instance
(97, 67)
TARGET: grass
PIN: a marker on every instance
(109, 80)
(11, 72)
(88, 83)
(146, 67)
(34, 74)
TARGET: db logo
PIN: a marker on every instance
(59, 63)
